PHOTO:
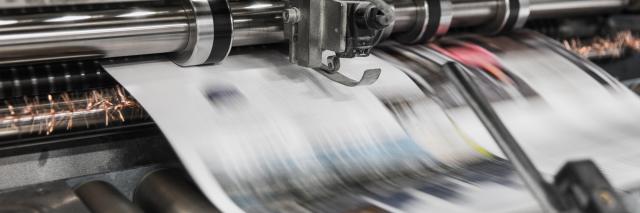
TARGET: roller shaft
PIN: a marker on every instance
(165, 28)
(52, 78)
(168, 191)
(102, 197)
(143, 30)
(92, 34)
(476, 12)
(564, 8)
(257, 22)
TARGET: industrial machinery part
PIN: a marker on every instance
(168, 191)
(200, 32)
(347, 29)
(43, 99)
(50, 198)
(101, 197)
(52, 78)
(578, 180)
(27, 4)
(433, 19)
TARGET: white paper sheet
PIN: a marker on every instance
(255, 127)
(256, 124)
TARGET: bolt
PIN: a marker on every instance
(291, 15)
(377, 19)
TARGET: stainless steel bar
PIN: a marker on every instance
(101, 197)
(5, 4)
(93, 34)
(169, 191)
(477, 12)
(548, 198)
(40, 80)
(564, 8)
(257, 22)
(405, 15)
(124, 32)
(155, 29)
(473, 12)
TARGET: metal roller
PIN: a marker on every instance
(93, 34)
(168, 191)
(199, 32)
(257, 22)
(472, 12)
(565, 8)
(52, 78)
(433, 18)
(101, 197)
(44, 99)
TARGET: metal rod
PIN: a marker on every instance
(549, 200)
(143, 30)
(168, 191)
(477, 12)
(93, 34)
(564, 8)
(257, 22)
(101, 197)
(473, 12)
(5, 4)
(405, 11)
(164, 28)
(44, 79)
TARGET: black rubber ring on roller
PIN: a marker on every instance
(514, 11)
(222, 30)
(433, 24)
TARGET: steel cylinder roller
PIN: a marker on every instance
(196, 32)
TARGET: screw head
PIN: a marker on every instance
(378, 19)
(291, 15)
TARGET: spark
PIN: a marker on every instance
(600, 47)
(61, 109)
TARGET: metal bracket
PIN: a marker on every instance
(330, 71)
(346, 28)
(588, 189)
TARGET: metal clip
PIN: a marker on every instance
(330, 71)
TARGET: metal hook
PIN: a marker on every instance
(330, 71)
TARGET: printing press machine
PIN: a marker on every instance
(73, 140)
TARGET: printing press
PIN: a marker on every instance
(216, 105)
